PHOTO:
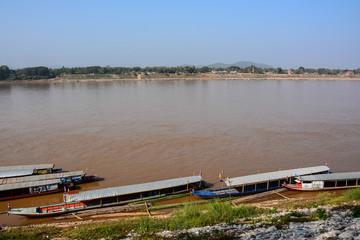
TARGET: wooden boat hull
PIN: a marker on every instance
(295, 187)
(25, 192)
(29, 195)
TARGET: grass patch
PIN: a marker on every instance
(28, 233)
(96, 231)
(212, 213)
(353, 194)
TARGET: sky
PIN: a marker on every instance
(287, 34)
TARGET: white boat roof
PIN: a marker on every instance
(269, 176)
(11, 186)
(136, 188)
(27, 167)
(15, 173)
(42, 177)
(332, 176)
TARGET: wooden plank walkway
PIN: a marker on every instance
(105, 210)
(258, 195)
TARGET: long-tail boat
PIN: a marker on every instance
(33, 185)
(259, 182)
(325, 182)
(113, 196)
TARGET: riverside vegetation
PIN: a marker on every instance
(326, 216)
(156, 72)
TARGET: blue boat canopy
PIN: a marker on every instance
(270, 176)
(136, 188)
(331, 177)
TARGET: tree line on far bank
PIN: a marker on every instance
(41, 72)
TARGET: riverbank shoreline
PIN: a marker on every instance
(340, 221)
(324, 216)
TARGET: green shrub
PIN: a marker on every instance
(321, 214)
(295, 214)
(356, 212)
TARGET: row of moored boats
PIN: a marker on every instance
(45, 179)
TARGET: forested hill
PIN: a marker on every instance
(240, 64)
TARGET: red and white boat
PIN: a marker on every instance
(322, 182)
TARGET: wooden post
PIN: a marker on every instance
(282, 195)
(243, 188)
(78, 217)
(255, 187)
(268, 182)
(279, 183)
(147, 209)
(357, 181)
(117, 199)
(335, 183)
(101, 203)
(346, 182)
(140, 196)
(187, 186)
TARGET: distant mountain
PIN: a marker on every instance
(240, 64)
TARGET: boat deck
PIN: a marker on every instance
(272, 176)
(27, 167)
(132, 189)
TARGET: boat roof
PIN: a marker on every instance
(11, 186)
(27, 167)
(269, 176)
(332, 176)
(43, 177)
(136, 188)
(15, 173)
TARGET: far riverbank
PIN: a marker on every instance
(189, 77)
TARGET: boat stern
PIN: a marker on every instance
(33, 211)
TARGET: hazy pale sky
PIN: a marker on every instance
(288, 34)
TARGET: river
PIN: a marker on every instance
(138, 131)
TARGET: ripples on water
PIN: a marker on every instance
(138, 131)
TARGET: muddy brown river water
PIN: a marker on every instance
(138, 131)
